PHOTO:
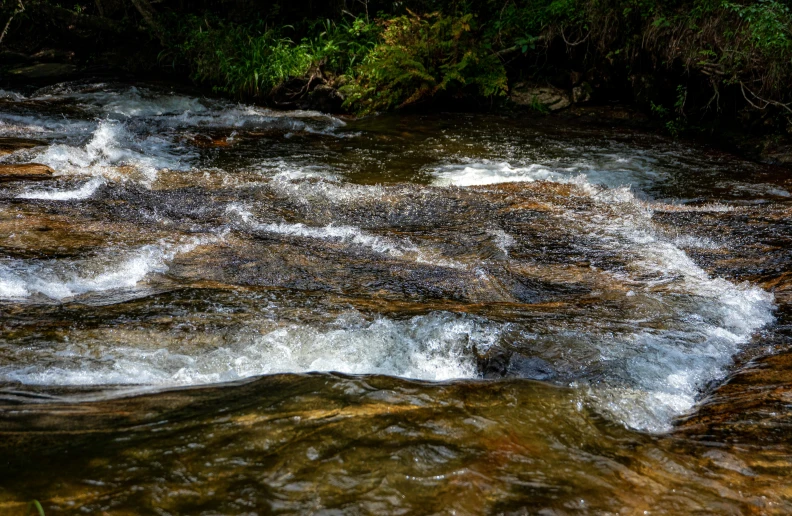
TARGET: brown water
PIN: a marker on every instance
(218, 309)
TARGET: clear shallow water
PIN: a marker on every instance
(413, 286)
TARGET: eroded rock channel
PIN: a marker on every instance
(214, 308)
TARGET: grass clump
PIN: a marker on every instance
(241, 61)
(341, 46)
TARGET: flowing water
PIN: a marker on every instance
(221, 309)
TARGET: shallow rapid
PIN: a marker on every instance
(403, 313)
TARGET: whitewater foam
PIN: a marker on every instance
(173, 110)
(62, 279)
(112, 145)
(349, 235)
(11, 95)
(712, 318)
(437, 347)
(503, 240)
(133, 133)
(78, 194)
(487, 173)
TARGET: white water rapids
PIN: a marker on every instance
(131, 137)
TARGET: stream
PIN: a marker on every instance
(217, 309)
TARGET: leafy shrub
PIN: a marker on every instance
(342, 45)
(239, 60)
(421, 56)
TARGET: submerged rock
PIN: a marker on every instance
(43, 71)
(326, 98)
(25, 172)
(502, 363)
(540, 97)
(310, 92)
(9, 145)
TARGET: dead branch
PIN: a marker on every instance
(767, 103)
(715, 98)
(711, 69)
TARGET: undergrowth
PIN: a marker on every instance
(243, 61)
(419, 57)
(723, 54)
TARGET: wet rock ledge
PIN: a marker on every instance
(25, 172)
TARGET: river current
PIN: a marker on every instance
(218, 308)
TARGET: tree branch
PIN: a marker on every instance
(150, 17)
(8, 24)
(767, 103)
(576, 43)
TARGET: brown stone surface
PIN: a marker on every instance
(25, 172)
(751, 407)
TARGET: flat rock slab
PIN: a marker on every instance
(43, 71)
(25, 172)
(9, 145)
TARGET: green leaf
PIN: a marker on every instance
(38, 507)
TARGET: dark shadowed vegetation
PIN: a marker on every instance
(689, 63)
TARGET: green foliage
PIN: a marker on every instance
(743, 44)
(675, 120)
(419, 57)
(465, 45)
(768, 24)
(239, 60)
(37, 506)
(342, 45)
